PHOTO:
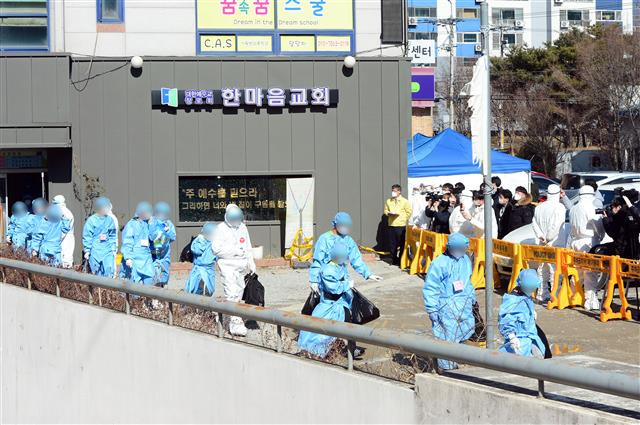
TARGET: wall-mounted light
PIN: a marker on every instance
(136, 62)
(349, 62)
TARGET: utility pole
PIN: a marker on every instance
(486, 171)
(452, 24)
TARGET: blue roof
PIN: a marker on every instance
(449, 153)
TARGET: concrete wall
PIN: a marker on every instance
(64, 362)
(451, 401)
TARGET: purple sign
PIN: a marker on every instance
(422, 87)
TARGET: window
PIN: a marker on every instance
(24, 25)
(468, 37)
(623, 180)
(110, 11)
(467, 13)
(415, 35)
(505, 16)
(423, 12)
(575, 17)
(608, 15)
(508, 40)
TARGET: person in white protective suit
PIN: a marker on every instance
(586, 231)
(475, 215)
(418, 204)
(548, 219)
(232, 246)
(457, 221)
(68, 243)
(115, 220)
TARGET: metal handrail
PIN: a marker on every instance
(542, 370)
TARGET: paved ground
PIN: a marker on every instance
(399, 299)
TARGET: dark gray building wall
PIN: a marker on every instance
(34, 101)
(355, 150)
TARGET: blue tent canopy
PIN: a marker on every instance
(449, 153)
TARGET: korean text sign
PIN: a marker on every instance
(221, 22)
(205, 198)
(307, 15)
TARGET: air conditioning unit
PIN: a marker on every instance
(518, 24)
(564, 24)
(479, 1)
(478, 48)
(413, 21)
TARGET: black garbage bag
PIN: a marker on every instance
(312, 301)
(253, 290)
(545, 341)
(479, 333)
(363, 311)
(186, 256)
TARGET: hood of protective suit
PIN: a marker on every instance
(586, 194)
(230, 211)
(466, 199)
(59, 200)
(553, 193)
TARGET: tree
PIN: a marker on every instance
(86, 189)
(610, 68)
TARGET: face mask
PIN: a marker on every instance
(343, 230)
(457, 253)
(517, 196)
(394, 194)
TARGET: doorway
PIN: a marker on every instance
(23, 186)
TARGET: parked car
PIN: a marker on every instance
(631, 181)
(572, 182)
(525, 235)
(542, 182)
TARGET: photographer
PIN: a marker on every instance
(439, 214)
(623, 227)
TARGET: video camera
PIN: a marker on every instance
(631, 194)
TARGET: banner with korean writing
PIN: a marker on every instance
(289, 27)
(236, 14)
(310, 15)
(205, 198)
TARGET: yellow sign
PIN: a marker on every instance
(297, 43)
(255, 43)
(311, 15)
(218, 43)
(333, 43)
(236, 14)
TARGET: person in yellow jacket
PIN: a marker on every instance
(398, 211)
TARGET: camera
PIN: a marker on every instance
(433, 196)
(631, 194)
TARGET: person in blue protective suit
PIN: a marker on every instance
(449, 295)
(517, 318)
(335, 299)
(204, 262)
(137, 263)
(322, 251)
(39, 207)
(162, 233)
(18, 225)
(99, 240)
(47, 239)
